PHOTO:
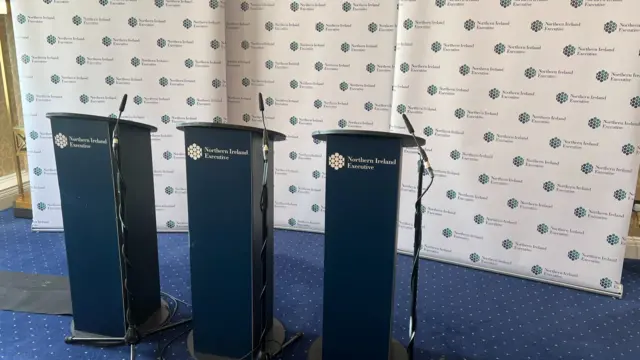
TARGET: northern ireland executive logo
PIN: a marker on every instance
(194, 151)
(610, 27)
(619, 194)
(569, 50)
(536, 269)
(613, 239)
(61, 141)
(336, 161)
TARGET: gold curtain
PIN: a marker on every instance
(10, 101)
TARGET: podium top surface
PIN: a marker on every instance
(407, 140)
(273, 135)
(101, 118)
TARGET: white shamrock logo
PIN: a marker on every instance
(194, 151)
(336, 161)
(61, 141)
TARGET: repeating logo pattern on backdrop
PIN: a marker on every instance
(77, 45)
(531, 136)
(475, 94)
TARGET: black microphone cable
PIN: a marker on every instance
(417, 244)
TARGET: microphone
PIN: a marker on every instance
(123, 103)
(407, 123)
(116, 129)
(423, 154)
(260, 102)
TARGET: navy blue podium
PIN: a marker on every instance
(224, 181)
(86, 177)
(361, 218)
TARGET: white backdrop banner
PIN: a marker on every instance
(320, 65)
(531, 113)
(530, 109)
(82, 56)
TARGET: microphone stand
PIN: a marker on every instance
(132, 336)
(262, 353)
(264, 207)
(417, 243)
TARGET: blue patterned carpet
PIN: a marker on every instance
(464, 313)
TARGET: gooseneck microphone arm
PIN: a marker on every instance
(417, 243)
(265, 136)
(423, 154)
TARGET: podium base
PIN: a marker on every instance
(275, 341)
(155, 321)
(398, 352)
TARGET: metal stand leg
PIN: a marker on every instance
(76, 340)
(289, 342)
(149, 328)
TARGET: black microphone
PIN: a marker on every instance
(407, 123)
(423, 154)
(114, 135)
(123, 103)
(260, 102)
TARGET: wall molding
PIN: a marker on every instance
(9, 189)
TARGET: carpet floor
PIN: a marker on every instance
(463, 313)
